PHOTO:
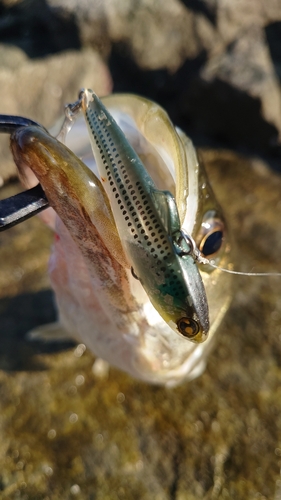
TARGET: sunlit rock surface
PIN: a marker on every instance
(214, 65)
(71, 427)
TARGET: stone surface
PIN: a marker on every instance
(163, 34)
(213, 64)
(71, 429)
(227, 48)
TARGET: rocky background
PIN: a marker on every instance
(69, 426)
(215, 65)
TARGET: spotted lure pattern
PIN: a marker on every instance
(148, 223)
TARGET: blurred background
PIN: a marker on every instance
(71, 428)
(214, 65)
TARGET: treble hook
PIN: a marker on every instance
(24, 205)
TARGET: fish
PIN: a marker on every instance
(100, 301)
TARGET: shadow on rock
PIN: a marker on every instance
(273, 35)
(37, 29)
(211, 112)
(18, 315)
(203, 8)
(159, 85)
(228, 115)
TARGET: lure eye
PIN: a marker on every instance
(211, 236)
(188, 327)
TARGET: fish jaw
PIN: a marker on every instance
(78, 198)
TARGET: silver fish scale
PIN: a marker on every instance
(134, 201)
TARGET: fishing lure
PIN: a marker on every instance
(149, 226)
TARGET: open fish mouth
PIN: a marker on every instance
(139, 325)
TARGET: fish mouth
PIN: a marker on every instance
(159, 162)
(51, 165)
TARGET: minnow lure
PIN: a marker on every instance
(149, 226)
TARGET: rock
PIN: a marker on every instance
(238, 93)
(40, 88)
(226, 48)
(214, 65)
(69, 430)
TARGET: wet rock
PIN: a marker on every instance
(69, 430)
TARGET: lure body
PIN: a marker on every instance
(148, 223)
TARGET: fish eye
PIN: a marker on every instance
(211, 236)
(188, 327)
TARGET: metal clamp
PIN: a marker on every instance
(24, 205)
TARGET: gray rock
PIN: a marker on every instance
(213, 64)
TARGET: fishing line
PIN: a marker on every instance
(71, 113)
(240, 273)
(203, 260)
